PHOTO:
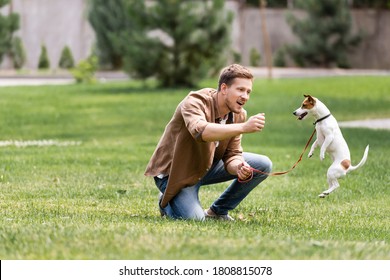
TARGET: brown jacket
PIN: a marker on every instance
(182, 154)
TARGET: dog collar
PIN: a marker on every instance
(323, 118)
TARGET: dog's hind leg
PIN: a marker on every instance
(333, 174)
(333, 184)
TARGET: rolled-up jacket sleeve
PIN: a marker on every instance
(195, 113)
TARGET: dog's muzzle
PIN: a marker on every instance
(301, 116)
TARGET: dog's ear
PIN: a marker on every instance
(311, 99)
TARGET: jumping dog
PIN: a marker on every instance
(329, 139)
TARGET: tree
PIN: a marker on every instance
(325, 34)
(109, 19)
(8, 25)
(178, 42)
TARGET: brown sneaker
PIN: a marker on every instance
(209, 214)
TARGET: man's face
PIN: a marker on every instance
(237, 94)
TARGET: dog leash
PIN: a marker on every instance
(254, 170)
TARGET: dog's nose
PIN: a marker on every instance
(295, 113)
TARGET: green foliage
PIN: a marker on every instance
(254, 57)
(92, 201)
(325, 34)
(44, 62)
(237, 57)
(85, 70)
(109, 19)
(8, 25)
(178, 42)
(66, 59)
(280, 58)
(270, 3)
(377, 4)
(18, 53)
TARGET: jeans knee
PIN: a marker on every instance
(267, 164)
(262, 163)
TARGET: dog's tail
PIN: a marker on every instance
(363, 160)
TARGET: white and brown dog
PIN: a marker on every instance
(330, 139)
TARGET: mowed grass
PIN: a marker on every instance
(92, 201)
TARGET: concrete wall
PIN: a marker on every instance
(278, 30)
(54, 23)
(57, 23)
(372, 53)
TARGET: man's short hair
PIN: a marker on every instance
(229, 73)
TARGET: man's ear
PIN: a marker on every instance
(223, 87)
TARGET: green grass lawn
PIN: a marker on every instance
(92, 201)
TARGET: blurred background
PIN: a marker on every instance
(169, 39)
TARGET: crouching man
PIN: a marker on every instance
(201, 145)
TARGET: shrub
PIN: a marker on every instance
(237, 57)
(44, 62)
(85, 70)
(254, 57)
(66, 59)
(280, 58)
(18, 53)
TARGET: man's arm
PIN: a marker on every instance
(218, 132)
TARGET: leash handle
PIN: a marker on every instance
(254, 170)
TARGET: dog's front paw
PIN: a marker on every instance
(322, 156)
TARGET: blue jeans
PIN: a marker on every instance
(186, 204)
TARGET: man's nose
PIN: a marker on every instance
(245, 96)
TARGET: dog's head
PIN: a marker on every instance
(307, 105)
